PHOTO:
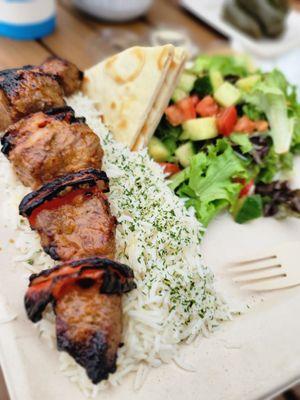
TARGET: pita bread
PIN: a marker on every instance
(133, 88)
(163, 99)
(126, 86)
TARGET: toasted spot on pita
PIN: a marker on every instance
(144, 128)
(119, 73)
(122, 124)
(173, 64)
(113, 105)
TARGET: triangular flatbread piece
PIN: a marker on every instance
(126, 86)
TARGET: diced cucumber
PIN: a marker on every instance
(216, 79)
(248, 208)
(227, 95)
(184, 136)
(178, 95)
(186, 82)
(200, 128)
(184, 153)
(157, 150)
(247, 83)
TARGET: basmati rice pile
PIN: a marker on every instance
(159, 239)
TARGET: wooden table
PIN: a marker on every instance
(85, 41)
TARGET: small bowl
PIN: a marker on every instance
(114, 10)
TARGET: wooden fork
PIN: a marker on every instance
(278, 269)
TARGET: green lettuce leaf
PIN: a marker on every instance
(208, 183)
(242, 141)
(253, 112)
(226, 64)
(271, 96)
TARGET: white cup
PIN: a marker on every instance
(30, 19)
(114, 10)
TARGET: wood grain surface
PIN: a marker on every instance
(86, 41)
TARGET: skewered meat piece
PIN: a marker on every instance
(24, 91)
(68, 75)
(86, 297)
(29, 89)
(72, 216)
(46, 145)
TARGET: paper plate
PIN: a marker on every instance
(252, 357)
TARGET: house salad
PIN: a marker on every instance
(227, 139)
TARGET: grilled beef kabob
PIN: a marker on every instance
(49, 144)
(86, 297)
(72, 216)
(53, 148)
(29, 89)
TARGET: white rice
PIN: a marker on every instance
(159, 239)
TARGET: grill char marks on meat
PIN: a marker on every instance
(30, 88)
(46, 145)
(24, 91)
(72, 216)
(67, 74)
(86, 297)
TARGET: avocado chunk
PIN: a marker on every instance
(186, 82)
(227, 95)
(247, 83)
(200, 128)
(178, 95)
(157, 150)
(216, 79)
(248, 208)
(184, 153)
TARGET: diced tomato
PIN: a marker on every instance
(261, 125)
(207, 107)
(246, 190)
(182, 111)
(187, 107)
(244, 124)
(227, 120)
(169, 168)
(174, 115)
(195, 99)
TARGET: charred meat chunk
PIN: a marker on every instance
(68, 75)
(24, 91)
(86, 297)
(46, 145)
(72, 216)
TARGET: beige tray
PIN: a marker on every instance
(251, 357)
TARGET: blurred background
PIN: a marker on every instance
(87, 31)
